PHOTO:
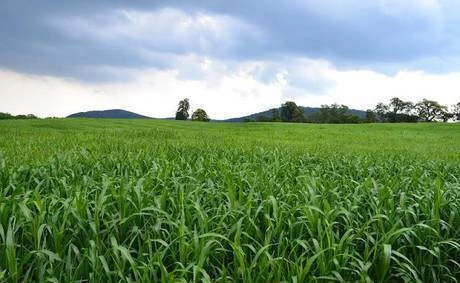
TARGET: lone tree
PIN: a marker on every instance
(200, 115)
(290, 112)
(182, 110)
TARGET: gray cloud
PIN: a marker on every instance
(77, 38)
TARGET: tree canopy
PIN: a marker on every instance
(7, 116)
(456, 111)
(334, 114)
(182, 110)
(200, 115)
(396, 111)
(290, 112)
(429, 110)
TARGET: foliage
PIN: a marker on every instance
(334, 114)
(401, 118)
(397, 111)
(274, 113)
(4, 116)
(290, 112)
(456, 111)
(446, 116)
(263, 118)
(228, 202)
(200, 115)
(397, 106)
(429, 110)
(7, 116)
(182, 110)
(371, 117)
(276, 116)
(400, 111)
(381, 109)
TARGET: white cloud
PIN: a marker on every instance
(153, 93)
(223, 89)
(363, 89)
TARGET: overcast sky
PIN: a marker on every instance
(231, 58)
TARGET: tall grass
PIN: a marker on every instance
(149, 205)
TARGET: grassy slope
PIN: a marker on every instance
(148, 199)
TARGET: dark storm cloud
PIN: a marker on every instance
(77, 39)
(31, 45)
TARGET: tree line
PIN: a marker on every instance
(426, 110)
(8, 116)
(396, 111)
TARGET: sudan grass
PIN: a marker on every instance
(160, 202)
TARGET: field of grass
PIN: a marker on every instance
(167, 201)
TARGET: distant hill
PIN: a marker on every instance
(123, 114)
(112, 114)
(306, 110)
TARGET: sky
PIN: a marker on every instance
(231, 58)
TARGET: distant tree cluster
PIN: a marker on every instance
(8, 116)
(197, 115)
(397, 111)
(290, 112)
(334, 114)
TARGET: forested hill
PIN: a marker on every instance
(306, 111)
(113, 113)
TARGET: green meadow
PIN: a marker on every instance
(168, 201)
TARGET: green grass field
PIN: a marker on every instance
(167, 201)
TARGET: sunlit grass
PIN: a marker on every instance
(161, 201)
